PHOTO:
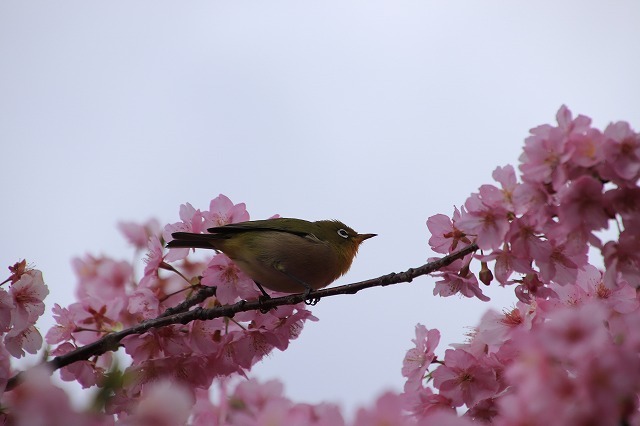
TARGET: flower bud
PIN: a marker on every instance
(485, 275)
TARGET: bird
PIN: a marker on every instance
(282, 254)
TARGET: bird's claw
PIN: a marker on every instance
(310, 301)
(261, 300)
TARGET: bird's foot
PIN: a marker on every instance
(262, 299)
(308, 300)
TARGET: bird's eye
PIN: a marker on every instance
(343, 233)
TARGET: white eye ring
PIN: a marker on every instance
(343, 233)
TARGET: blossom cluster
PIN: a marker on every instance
(20, 308)
(568, 352)
(110, 299)
(576, 180)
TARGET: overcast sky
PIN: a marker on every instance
(377, 113)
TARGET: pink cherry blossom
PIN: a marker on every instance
(536, 203)
(205, 412)
(590, 286)
(565, 120)
(144, 304)
(456, 278)
(569, 371)
(423, 402)
(102, 278)
(191, 220)
(464, 378)
(192, 371)
(575, 332)
(506, 177)
(526, 241)
(544, 156)
(5, 369)
(205, 336)
(587, 149)
(17, 270)
(387, 411)
(155, 343)
(28, 297)
(548, 151)
(485, 411)
(155, 257)
(281, 326)
(18, 341)
(274, 412)
(495, 328)
(489, 223)
(582, 206)
(506, 263)
(138, 234)
(322, 414)
(232, 284)
(445, 237)
(94, 318)
(623, 201)
(445, 418)
(84, 372)
(622, 153)
(418, 359)
(622, 260)
(7, 307)
(64, 327)
(222, 212)
(37, 402)
(561, 264)
(273, 329)
(163, 404)
(254, 396)
(531, 287)
(539, 397)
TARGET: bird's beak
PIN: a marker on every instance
(362, 237)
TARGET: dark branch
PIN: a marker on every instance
(180, 314)
(200, 296)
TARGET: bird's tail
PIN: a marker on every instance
(191, 240)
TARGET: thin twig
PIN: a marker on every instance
(179, 315)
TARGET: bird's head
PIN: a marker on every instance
(342, 239)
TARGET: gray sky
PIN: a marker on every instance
(378, 113)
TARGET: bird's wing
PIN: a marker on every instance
(258, 225)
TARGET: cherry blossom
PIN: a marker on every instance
(138, 234)
(418, 359)
(456, 278)
(445, 237)
(487, 220)
(230, 281)
(28, 295)
(222, 212)
(464, 378)
(191, 220)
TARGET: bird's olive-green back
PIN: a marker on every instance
(330, 231)
(342, 239)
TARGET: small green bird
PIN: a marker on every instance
(286, 255)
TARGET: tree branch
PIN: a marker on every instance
(177, 315)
